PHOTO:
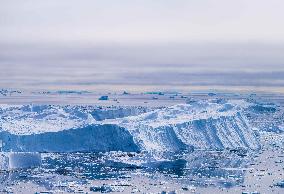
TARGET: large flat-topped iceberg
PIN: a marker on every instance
(186, 112)
(202, 125)
(33, 119)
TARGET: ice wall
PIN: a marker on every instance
(86, 139)
(200, 125)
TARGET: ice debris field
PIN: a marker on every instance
(143, 143)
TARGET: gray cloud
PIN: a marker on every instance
(47, 44)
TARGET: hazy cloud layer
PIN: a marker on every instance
(132, 21)
(182, 43)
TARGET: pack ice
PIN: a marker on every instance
(201, 125)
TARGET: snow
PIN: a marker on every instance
(117, 112)
(30, 119)
(201, 124)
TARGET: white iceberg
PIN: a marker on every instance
(19, 160)
(202, 125)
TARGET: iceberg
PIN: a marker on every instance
(198, 125)
(202, 125)
(91, 138)
(18, 160)
(117, 112)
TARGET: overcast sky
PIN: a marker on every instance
(141, 21)
(234, 42)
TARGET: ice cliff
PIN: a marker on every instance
(203, 125)
(200, 125)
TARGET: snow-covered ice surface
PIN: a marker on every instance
(202, 125)
(153, 142)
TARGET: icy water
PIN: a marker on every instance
(201, 169)
(161, 159)
(196, 172)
